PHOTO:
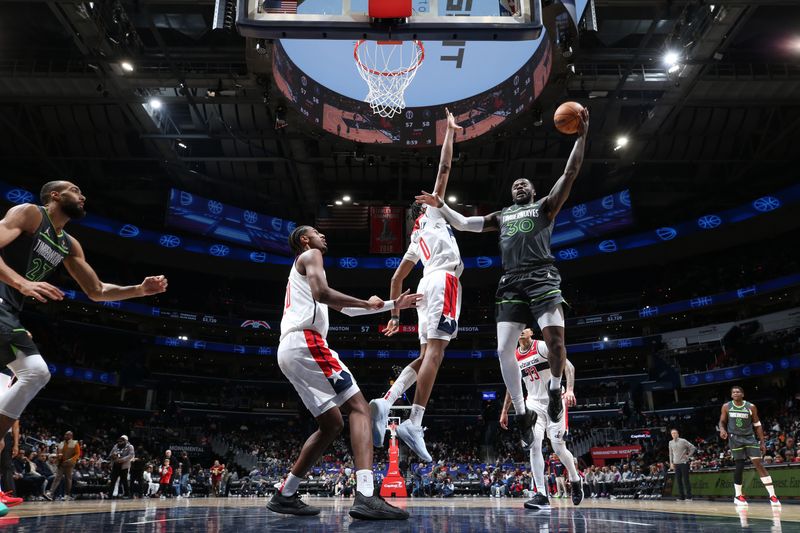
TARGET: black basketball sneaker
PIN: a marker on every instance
(375, 508)
(291, 505)
(555, 405)
(576, 490)
(539, 502)
(526, 422)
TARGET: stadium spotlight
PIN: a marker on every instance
(605, 339)
(155, 103)
(127, 66)
(345, 198)
(622, 142)
(451, 199)
(671, 58)
(338, 202)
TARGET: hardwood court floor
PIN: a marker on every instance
(245, 515)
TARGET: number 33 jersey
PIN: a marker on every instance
(433, 242)
(535, 370)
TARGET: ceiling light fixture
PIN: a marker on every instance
(622, 142)
(127, 66)
(451, 198)
(338, 202)
(671, 58)
(155, 103)
(346, 198)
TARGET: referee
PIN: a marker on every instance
(680, 450)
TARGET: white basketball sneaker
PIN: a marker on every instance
(413, 437)
(379, 412)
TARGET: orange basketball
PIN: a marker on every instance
(567, 117)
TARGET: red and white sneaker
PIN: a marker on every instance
(774, 501)
(740, 500)
(10, 501)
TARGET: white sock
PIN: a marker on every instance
(403, 382)
(364, 483)
(507, 337)
(417, 412)
(537, 466)
(567, 459)
(555, 382)
(290, 485)
(767, 481)
(738, 489)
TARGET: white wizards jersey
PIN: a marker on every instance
(300, 310)
(535, 370)
(433, 242)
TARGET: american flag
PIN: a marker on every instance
(280, 6)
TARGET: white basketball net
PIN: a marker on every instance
(388, 68)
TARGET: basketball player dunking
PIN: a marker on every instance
(531, 356)
(323, 381)
(34, 244)
(529, 289)
(433, 243)
(736, 422)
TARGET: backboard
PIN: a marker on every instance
(473, 20)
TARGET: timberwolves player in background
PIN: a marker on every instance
(530, 288)
(433, 243)
(324, 383)
(34, 244)
(531, 356)
(736, 422)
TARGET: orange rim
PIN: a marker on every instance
(374, 72)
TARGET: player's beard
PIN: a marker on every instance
(73, 210)
(523, 200)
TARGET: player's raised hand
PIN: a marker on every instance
(407, 300)
(451, 120)
(429, 199)
(41, 290)
(392, 327)
(374, 303)
(583, 126)
(154, 285)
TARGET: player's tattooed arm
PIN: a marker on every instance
(723, 422)
(560, 192)
(569, 395)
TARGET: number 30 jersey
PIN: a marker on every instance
(535, 370)
(525, 233)
(433, 242)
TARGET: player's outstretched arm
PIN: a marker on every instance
(25, 217)
(446, 159)
(723, 422)
(311, 263)
(99, 291)
(476, 224)
(560, 191)
(395, 288)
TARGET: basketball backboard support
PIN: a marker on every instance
(472, 20)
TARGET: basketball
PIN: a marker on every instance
(567, 117)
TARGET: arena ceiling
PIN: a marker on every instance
(719, 130)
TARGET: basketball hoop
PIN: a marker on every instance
(388, 67)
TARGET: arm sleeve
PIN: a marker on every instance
(460, 222)
(388, 305)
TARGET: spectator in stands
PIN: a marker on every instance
(680, 454)
(30, 481)
(43, 467)
(216, 476)
(557, 468)
(150, 485)
(186, 468)
(165, 472)
(486, 483)
(121, 456)
(590, 480)
(448, 489)
(68, 452)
